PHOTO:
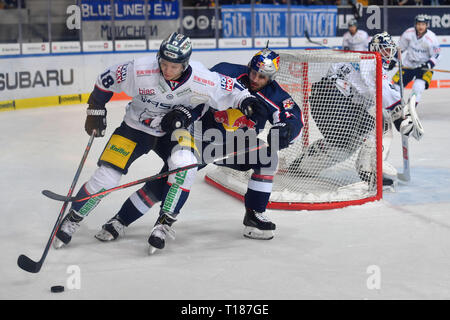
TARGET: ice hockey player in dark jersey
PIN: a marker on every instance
(278, 108)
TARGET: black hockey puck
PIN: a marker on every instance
(57, 288)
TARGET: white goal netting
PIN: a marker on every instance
(336, 159)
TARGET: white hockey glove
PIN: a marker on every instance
(407, 121)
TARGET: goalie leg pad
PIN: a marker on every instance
(365, 164)
(417, 131)
(388, 135)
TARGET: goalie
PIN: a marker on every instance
(346, 118)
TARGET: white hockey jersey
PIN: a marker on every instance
(357, 42)
(153, 97)
(419, 51)
(358, 81)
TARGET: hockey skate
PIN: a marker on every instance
(111, 230)
(389, 177)
(162, 228)
(257, 226)
(69, 225)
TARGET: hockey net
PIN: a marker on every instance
(322, 169)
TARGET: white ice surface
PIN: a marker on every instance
(314, 255)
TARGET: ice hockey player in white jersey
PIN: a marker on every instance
(348, 118)
(168, 93)
(420, 54)
(278, 108)
(355, 39)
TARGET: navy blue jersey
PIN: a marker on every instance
(280, 107)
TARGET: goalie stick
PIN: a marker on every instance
(405, 175)
(27, 264)
(58, 197)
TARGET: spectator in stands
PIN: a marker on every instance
(10, 4)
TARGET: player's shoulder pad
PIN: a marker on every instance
(409, 31)
(201, 75)
(198, 67)
(274, 94)
(146, 66)
(230, 69)
(277, 90)
(431, 36)
(364, 32)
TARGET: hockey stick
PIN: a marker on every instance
(405, 175)
(68, 198)
(316, 42)
(425, 69)
(25, 262)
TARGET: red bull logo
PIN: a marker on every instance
(233, 119)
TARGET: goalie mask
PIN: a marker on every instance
(265, 62)
(383, 43)
(176, 48)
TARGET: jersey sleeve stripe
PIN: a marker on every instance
(101, 89)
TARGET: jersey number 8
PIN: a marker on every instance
(107, 80)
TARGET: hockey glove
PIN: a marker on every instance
(95, 120)
(251, 107)
(178, 117)
(281, 130)
(392, 64)
(427, 65)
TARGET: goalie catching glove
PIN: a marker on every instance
(95, 120)
(283, 133)
(410, 123)
(179, 117)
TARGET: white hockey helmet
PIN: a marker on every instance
(422, 18)
(383, 43)
(352, 22)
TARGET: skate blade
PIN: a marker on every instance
(58, 244)
(104, 236)
(152, 250)
(390, 185)
(254, 233)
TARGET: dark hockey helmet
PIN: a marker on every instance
(422, 18)
(383, 43)
(266, 62)
(176, 48)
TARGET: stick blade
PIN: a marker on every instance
(55, 196)
(27, 264)
(307, 35)
(403, 177)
